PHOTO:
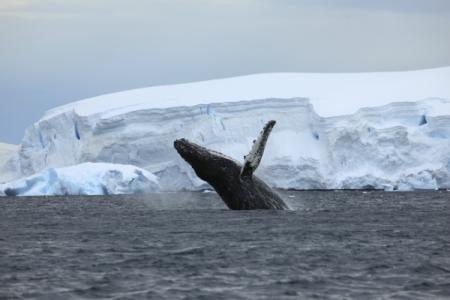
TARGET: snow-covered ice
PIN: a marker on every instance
(332, 94)
(84, 179)
(360, 130)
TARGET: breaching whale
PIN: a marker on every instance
(234, 182)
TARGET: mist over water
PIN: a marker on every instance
(345, 244)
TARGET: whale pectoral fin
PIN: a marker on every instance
(253, 158)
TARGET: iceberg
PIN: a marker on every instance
(84, 179)
(8, 161)
(386, 131)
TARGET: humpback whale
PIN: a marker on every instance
(234, 182)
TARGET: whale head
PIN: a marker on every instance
(209, 165)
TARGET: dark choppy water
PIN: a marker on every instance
(186, 246)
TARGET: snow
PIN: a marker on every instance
(371, 130)
(84, 179)
(332, 94)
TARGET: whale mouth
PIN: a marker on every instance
(200, 158)
(183, 145)
(188, 150)
(180, 144)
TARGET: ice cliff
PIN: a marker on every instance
(370, 130)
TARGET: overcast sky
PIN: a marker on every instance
(53, 52)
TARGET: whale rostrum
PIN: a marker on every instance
(235, 183)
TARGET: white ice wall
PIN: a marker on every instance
(402, 145)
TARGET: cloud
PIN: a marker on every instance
(399, 6)
(34, 9)
(10, 5)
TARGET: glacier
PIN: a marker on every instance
(84, 179)
(386, 131)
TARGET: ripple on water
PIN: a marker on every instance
(346, 244)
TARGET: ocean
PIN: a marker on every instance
(187, 245)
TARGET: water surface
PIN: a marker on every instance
(333, 245)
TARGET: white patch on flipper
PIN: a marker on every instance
(253, 159)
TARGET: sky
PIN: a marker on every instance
(53, 52)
